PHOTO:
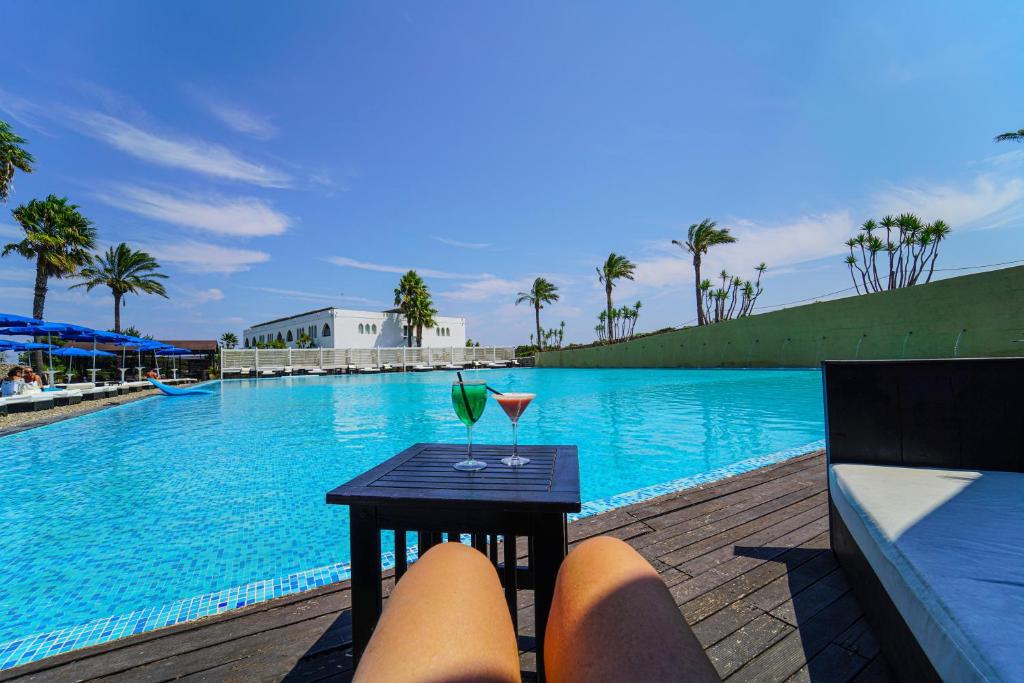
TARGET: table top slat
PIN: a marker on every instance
(423, 473)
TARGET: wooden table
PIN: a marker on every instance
(419, 491)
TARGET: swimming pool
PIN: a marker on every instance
(169, 509)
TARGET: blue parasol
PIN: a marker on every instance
(49, 329)
(12, 320)
(70, 352)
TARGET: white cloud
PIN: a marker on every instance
(182, 152)
(241, 217)
(317, 296)
(187, 297)
(487, 288)
(346, 262)
(805, 239)
(461, 244)
(201, 257)
(211, 294)
(243, 121)
(17, 274)
(987, 202)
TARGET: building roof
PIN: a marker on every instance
(197, 345)
(289, 317)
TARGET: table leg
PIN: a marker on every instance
(550, 548)
(366, 579)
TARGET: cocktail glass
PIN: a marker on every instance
(514, 405)
(469, 398)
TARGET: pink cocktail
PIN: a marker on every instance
(514, 406)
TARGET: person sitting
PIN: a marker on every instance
(12, 384)
(153, 373)
(32, 384)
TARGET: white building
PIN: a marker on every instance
(337, 328)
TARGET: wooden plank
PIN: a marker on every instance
(743, 645)
(786, 657)
(667, 539)
(727, 532)
(831, 664)
(773, 594)
(877, 671)
(756, 556)
(716, 590)
(813, 599)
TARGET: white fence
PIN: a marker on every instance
(331, 360)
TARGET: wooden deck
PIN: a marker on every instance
(747, 560)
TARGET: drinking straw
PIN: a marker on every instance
(465, 399)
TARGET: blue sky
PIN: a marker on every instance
(283, 157)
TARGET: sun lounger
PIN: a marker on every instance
(925, 512)
(369, 369)
(611, 619)
(29, 403)
(288, 369)
(65, 397)
(387, 367)
(421, 368)
(268, 372)
(316, 371)
(94, 393)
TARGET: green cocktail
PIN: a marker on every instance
(469, 398)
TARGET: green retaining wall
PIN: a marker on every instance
(968, 316)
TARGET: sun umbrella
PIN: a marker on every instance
(49, 329)
(22, 346)
(141, 345)
(99, 336)
(175, 351)
(11, 320)
(70, 352)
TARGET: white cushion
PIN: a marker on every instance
(948, 545)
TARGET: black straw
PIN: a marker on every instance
(465, 399)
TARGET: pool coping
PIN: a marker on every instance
(105, 629)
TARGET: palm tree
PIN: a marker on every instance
(1017, 136)
(615, 267)
(12, 157)
(228, 340)
(410, 288)
(701, 237)
(124, 271)
(57, 237)
(421, 314)
(542, 292)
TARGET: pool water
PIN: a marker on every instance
(170, 508)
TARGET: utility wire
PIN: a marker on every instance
(850, 289)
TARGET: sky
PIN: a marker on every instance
(281, 157)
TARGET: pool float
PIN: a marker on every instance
(175, 391)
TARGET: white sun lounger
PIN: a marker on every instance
(369, 369)
(421, 368)
(28, 403)
(316, 371)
